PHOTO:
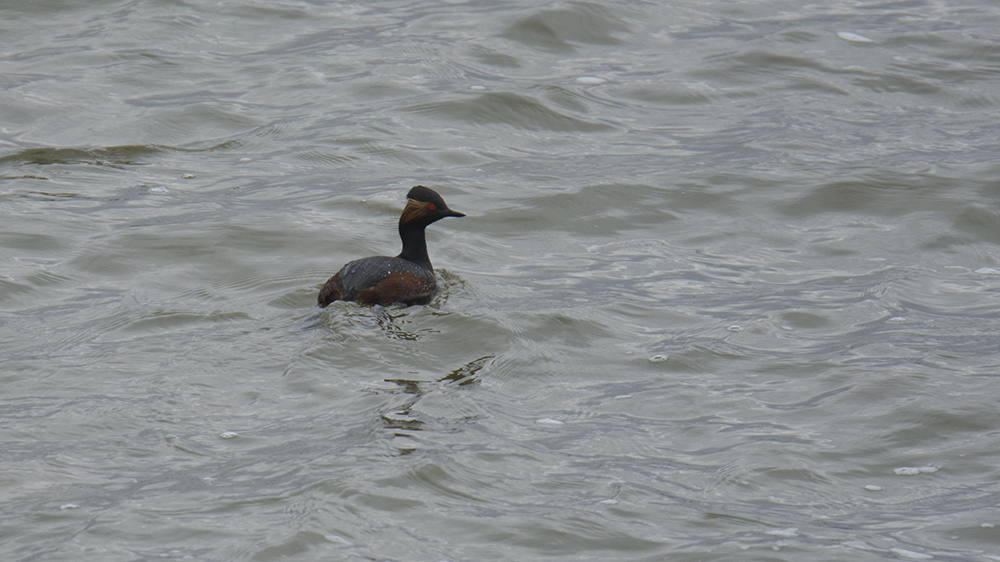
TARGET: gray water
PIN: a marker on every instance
(729, 287)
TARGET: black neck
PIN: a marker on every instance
(414, 244)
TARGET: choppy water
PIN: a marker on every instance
(729, 288)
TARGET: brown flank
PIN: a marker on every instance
(332, 290)
(399, 286)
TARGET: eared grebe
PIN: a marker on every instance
(407, 278)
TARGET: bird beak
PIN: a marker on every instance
(451, 213)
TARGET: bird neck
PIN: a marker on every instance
(414, 244)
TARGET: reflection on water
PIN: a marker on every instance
(393, 326)
(466, 374)
(728, 288)
(406, 415)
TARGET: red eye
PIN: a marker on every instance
(431, 206)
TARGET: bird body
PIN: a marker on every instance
(407, 278)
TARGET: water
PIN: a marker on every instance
(729, 286)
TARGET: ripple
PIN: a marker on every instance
(163, 320)
(984, 224)
(516, 110)
(327, 158)
(128, 155)
(558, 29)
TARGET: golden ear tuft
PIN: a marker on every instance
(414, 210)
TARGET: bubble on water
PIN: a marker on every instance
(477, 87)
(158, 189)
(590, 80)
(659, 358)
(228, 434)
(735, 328)
(912, 470)
(988, 271)
(873, 487)
(609, 501)
(69, 506)
(246, 159)
(188, 176)
(853, 37)
(549, 421)
(987, 525)
(789, 532)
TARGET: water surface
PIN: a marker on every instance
(729, 286)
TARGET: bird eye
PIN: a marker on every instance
(431, 206)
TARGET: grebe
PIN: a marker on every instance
(407, 278)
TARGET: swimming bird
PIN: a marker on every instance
(407, 278)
